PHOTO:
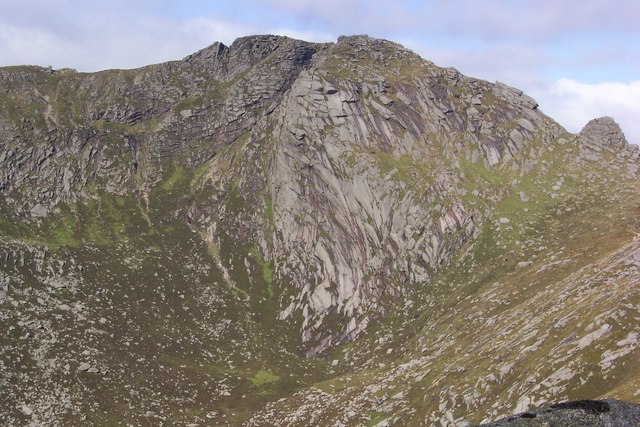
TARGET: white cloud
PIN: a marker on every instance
(573, 104)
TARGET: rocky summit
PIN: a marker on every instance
(283, 233)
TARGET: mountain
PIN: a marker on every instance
(279, 232)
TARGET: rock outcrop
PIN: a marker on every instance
(610, 413)
(603, 131)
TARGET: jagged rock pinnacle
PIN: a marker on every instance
(605, 130)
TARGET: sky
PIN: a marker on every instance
(580, 59)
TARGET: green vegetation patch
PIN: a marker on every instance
(267, 269)
(176, 178)
(263, 377)
(102, 219)
(413, 171)
(187, 104)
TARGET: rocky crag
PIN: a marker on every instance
(287, 233)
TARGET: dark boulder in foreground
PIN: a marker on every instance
(605, 413)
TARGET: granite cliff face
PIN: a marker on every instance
(281, 232)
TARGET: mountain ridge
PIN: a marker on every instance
(301, 212)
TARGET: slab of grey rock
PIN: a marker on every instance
(26, 409)
(39, 211)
